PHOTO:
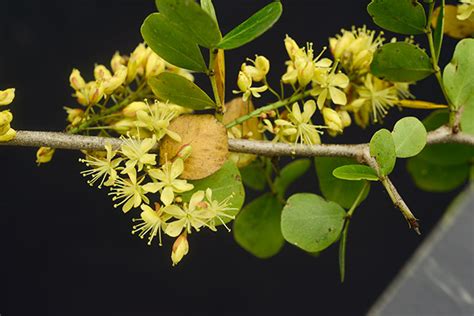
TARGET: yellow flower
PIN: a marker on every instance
(151, 221)
(154, 65)
(74, 116)
(260, 68)
(8, 136)
(282, 129)
(244, 82)
(465, 9)
(218, 211)
(374, 98)
(101, 73)
(117, 61)
(7, 96)
(136, 62)
(190, 216)
(76, 81)
(136, 152)
(101, 168)
(168, 182)
(114, 82)
(180, 249)
(306, 132)
(44, 155)
(355, 49)
(332, 120)
(157, 119)
(5, 119)
(329, 85)
(129, 191)
(132, 109)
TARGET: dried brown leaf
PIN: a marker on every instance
(452, 26)
(249, 129)
(208, 140)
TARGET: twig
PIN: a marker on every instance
(360, 152)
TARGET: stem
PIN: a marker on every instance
(400, 203)
(269, 107)
(357, 201)
(212, 76)
(437, 70)
(342, 243)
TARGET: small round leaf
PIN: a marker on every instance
(409, 135)
(355, 173)
(257, 228)
(382, 148)
(310, 222)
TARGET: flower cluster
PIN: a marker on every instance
(369, 98)
(6, 132)
(168, 203)
(305, 71)
(113, 89)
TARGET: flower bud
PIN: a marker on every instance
(345, 118)
(305, 72)
(136, 61)
(117, 61)
(244, 82)
(74, 116)
(5, 118)
(116, 81)
(154, 65)
(101, 73)
(291, 47)
(184, 152)
(44, 155)
(7, 96)
(180, 249)
(81, 98)
(332, 119)
(8, 136)
(76, 81)
(131, 109)
(124, 126)
(262, 64)
(95, 93)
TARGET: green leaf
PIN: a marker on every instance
(207, 6)
(257, 228)
(195, 22)
(436, 119)
(289, 174)
(399, 16)
(224, 183)
(179, 90)
(382, 148)
(457, 75)
(171, 44)
(440, 167)
(254, 176)
(340, 191)
(467, 120)
(401, 62)
(355, 173)
(253, 27)
(439, 30)
(409, 135)
(310, 222)
(437, 178)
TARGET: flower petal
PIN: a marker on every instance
(337, 96)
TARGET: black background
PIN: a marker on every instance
(66, 251)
